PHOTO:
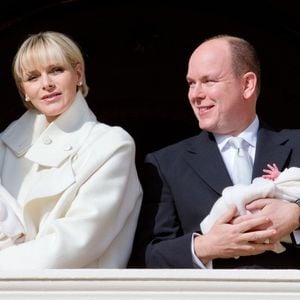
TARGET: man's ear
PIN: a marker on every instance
(249, 84)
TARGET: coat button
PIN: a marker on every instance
(68, 148)
(47, 140)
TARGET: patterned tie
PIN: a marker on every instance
(242, 163)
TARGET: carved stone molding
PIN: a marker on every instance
(150, 284)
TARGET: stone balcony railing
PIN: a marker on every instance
(150, 284)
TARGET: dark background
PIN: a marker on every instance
(136, 55)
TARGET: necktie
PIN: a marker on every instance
(242, 172)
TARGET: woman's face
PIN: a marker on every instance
(52, 88)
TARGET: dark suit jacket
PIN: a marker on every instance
(182, 182)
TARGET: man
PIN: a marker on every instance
(183, 181)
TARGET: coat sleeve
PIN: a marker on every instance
(160, 241)
(100, 221)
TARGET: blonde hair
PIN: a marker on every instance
(38, 49)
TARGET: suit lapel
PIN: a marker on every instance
(204, 157)
(275, 150)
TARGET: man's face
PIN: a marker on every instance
(215, 92)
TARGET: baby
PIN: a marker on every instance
(272, 172)
(274, 184)
(11, 228)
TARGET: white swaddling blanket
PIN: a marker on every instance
(286, 186)
(11, 228)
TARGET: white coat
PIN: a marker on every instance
(77, 184)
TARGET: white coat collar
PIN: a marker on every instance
(51, 145)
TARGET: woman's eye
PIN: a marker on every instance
(31, 78)
(57, 70)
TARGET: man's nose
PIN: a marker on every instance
(198, 91)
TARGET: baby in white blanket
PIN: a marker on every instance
(11, 228)
(284, 185)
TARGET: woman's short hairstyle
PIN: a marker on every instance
(38, 49)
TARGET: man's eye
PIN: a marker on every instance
(209, 81)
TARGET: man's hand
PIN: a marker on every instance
(226, 240)
(283, 215)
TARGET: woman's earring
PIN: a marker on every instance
(80, 83)
(27, 99)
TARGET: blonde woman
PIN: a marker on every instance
(73, 177)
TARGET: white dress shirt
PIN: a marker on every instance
(227, 152)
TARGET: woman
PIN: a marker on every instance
(73, 177)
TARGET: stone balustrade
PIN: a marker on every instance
(150, 284)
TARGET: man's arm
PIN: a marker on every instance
(161, 238)
(160, 234)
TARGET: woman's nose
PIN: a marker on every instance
(47, 82)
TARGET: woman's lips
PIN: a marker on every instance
(51, 97)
